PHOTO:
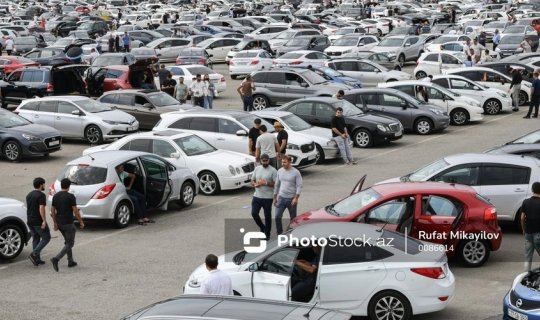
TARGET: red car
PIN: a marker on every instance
(8, 64)
(135, 76)
(449, 214)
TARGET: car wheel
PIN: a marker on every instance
(187, 195)
(11, 242)
(401, 59)
(209, 183)
(423, 126)
(12, 151)
(379, 33)
(420, 75)
(389, 305)
(459, 117)
(234, 77)
(523, 98)
(492, 106)
(260, 102)
(362, 138)
(320, 154)
(93, 134)
(473, 253)
(122, 214)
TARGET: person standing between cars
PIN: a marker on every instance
(341, 136)
(196, 90)
(515, 87)
(181, 91)
(63, 209)
(526, 46)
(496, 39)
(535, 96)
(168, 85)
(216, 282)
(117, 43)
(482, 39)
(126, 42)
(210, 92)
(530, 224)
(476, 51)
(162, 74)
(286, 191)
(253, 134)
(36, 220)
(9, 45)
(111, 43)
(467, 47)
(138, 199)
(282, 140)
(245, 89)
(267, 143)
(263, 181)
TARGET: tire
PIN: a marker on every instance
(12, 151)
(209, 183)
(234, 77)
(11, 242)
(401, 59)
(459, 117)
(122, 214)
(260, 102)
(473, 253)
(187, 194)
(363, 138)
(492, 106)
(389, 305)
(320, 154)
(93, 134)
(523, 98)
(379, 33)
(420, 75)
(423, 126)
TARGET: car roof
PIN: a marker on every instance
(366, 90)
(106, 158)
(141, 91)
(216, 113)
(275, 113)
(491, 158)
(65, 98)
(173, 134)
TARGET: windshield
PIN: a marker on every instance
(330, 72)
(313, 77)
(353, 203)
(63, 42)
(298, 42)
(194, 145)
(85, 26)
(10, 120)
(496, 25)
(162, 99)
(424, 173)
(285, 35)
(511, 39)
(514, 29)
(533, 137)
(92, 106)
(25, 40)
(103, 61)
(291, 55)
(200, 70)
(346, 42)
(248, 120)
(391, 42)
(349, 109)
(295, 123)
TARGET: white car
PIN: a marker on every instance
(492, 100)
(218, 47)
(228, 130)
(302, 58)
(216, 169)
(338, 33)
(368, 72)
(189, 71)
(167, 48)
(248, 61)
(435, 45)
(380, 27)
(140, 20)
(287, 35)
(351, 43)
(493, 79)
(383, 281)
(432, 63)
(458, 47)
(461, 109)
(14, 233)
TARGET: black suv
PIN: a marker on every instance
(42, 81)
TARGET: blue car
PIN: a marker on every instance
(522, 302)
(337, 77)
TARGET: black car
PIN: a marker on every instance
(366, 130)
(503, 67)
(21, 138)
(48, 56)
(42, 81)
(94, 27)
(60, 28)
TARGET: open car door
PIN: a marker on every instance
(158, 185)
(271, 278)
(358, 186)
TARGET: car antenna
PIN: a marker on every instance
(93, 159)
(312, 307)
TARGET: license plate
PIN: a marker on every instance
(249, 176)
(517, 315)
(312, 157)
(54, 143)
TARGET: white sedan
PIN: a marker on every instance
(216, 169)
(189, 71)
(302, 58)
(167, 48)
(218, 47)
(246, 62)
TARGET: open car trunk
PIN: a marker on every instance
(68, 80)
(137, 71)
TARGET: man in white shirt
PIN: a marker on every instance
(93, 55)
(197, 90)
(9, 46)
(216, 282)
(267, 144)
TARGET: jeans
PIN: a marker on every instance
(344, 148)
(68, 232)
(40, 238)
(126, 47)
(199, 101)
(535, 103)
(281, 205)
(532, 242)
(208, 100)
(139, 202)
(248, 103)
(515, 95)
(266, 205)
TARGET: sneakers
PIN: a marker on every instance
(72, 264)
(34, 259)
(526, 117)
(54, 262)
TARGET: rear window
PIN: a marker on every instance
(83, 175)
(104, 61)
(401, 242)
(200, 70)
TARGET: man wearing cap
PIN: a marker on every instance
(267, 143)
(282, 139)
(263, 181)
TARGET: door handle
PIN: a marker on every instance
(221, 139)
(519, 190)
(58, 118)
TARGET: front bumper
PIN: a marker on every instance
(242, 69)
(235, 182)
(112, 132)
(441, 124)
(48, 145)
(511, 312)
(302, 160)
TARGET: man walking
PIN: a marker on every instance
(64, 205)
(535, 96)
(267, 143)
(515, 87)
(530, 224)
(341, 137)
(263, 181)
(286, 191)
(197, 89)
(9, 45)
(496, 39)
(36, 220)
(253, 134)
(216, 282)
(181, 91)
(245, 89)
(282, 139)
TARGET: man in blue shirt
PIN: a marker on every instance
(496, 39)
(125, 41)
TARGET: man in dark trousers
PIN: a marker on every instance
(64, 206)
(515, 88)
(282, 140)
(253, 134)
(36, 220)
(263, 179)
(341, 136)
(530, 224)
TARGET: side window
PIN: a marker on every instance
(125, 99)
(276, 78)
(66, 107)
(460, 84)
(346, 66)
(467, 175)
(281, 262)
(181, 124)
(139, 100)
(412, 41)
(292, 79)
(324, 111)
(203, 124)
(448, 59)
(47, 106)
(394, 211)
(439, 206)
(491, 77)
(144, 145)
(155, 167)
(311, 55)
(27, 76)
(163, 148)
(34, 55)
(391, 100)
(228, 126)
(113, 74)
(177, 71)
(472, 75)
(302, 108)
(406, 89)
(504, 175)
(434, 94)
(15, 76)
(353, 254)
(442, 82)
(110, 98)
(366, 67)
(261, 77)
(434, 57)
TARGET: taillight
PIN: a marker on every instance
(178, 61)
(295, 62)
(434, 273)
(201, 61)
(50, 88)
(254, 62)
(490, 214)
(104, 191)
(52, 190)
(222, 79)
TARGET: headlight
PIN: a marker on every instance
(331, 143)
(111, 122)
(30, 137)
(498, 49)
(194, 283)
(238, 171)
(436, 111)
(231, 169)
(519, 50)
(504, 95)
(292, 146)
(382, 128)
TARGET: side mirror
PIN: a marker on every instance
(148, 105)
(377, 70)
(407, 45)
(175, 155)
(76, 113)
(254, 267)
(241, 133)
(403, 105)
(361, 44)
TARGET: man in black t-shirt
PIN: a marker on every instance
(530, 224)
(253, 134)
(341, 136)
(64, 205)
(282, 140)
(36, 220)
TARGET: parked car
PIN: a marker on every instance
(447, 214)
(302, 58)
(366, 130)
(47, 56)
(433, 63)
(8, 64)
(194, 55)
(336, 76)
(189, 71)
(405, 48)
(78, 117)
(342, 267)
(369, 72)
(435, 44)
(510, 44)
(380, 58)
(145, 36)
(522, 299)
(267, 32)
(350, 44)
(248, 61)
(218, 48)
(22, 45)
(167, 48)
(102, 195)
(526, 70)
(21, 138)
(13, 229)
(316, 43)
(287, 35)
(228, 130)
(94, 28)
(216, 169)
(249, 44)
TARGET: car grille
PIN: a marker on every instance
(394, 127)
(525, 304)
(250, 167)
(307, 147)
(53, 142)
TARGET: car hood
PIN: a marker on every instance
(289, 48)
(375, 119)
(115, 115)
(391, 180)
(36, 129)
(318, 132)
(225, 157)
(319, 215)
(385, 49)
(509, 46)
